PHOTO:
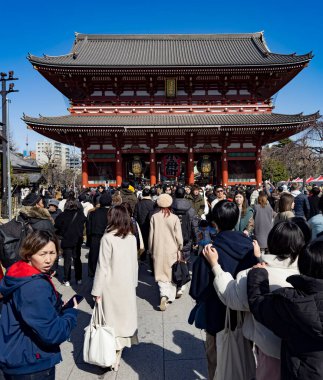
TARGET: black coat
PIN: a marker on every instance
(97, 224)
(98, 221)
(142, 212)
(314, 200)
(296, 316)
(70, 224)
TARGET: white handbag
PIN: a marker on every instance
(235, 359)
(99, 340)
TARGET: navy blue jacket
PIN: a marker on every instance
(32, 325)
(235, 254)
(302, 206)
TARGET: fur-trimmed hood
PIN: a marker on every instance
(35, 212)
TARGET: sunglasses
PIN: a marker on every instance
(219, 191)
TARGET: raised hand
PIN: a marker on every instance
(211, 254)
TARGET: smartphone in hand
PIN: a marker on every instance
(70, 302)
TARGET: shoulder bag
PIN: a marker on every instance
(99, 340)
(180, 272)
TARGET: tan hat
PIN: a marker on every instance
(164, 200)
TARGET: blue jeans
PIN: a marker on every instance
(47, 374)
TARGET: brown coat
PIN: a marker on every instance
(115, 280)
(165, 239)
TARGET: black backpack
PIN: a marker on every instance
(184, 218)
(12, 235)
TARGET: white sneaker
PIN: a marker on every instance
(163, 303)
(66, 283)
(179, 293)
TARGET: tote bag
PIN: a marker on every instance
(99, 340)
(235, 359)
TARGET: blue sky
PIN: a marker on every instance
(41, 27)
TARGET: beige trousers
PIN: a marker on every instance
(167, 289)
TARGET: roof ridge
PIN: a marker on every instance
(165, 36)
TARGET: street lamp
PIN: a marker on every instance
(6, 191)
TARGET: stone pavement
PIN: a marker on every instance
(169, 348)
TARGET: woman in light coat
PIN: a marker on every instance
(116, 279)
(285, 241)
(165, 242)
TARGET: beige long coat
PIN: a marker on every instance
(116, 279)
(165, 239)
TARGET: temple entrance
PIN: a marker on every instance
(171, 168)
(136, 168)
(101, 173)
(206, 169)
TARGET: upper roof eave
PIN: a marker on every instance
(39, 61)
(170, 50)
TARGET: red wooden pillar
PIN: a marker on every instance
(85, 175)
(190, 166)
(218, 172)
(153, 167)
(224, 162)
(258, 167)
(118, 167)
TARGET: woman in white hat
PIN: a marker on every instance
(165, 241)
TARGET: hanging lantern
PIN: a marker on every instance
(136, 166)
(171, 166)
(204, 166)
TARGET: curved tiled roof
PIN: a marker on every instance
(182, 50)
(19, 163)
(171, 120)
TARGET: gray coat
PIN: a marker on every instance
(263, 217)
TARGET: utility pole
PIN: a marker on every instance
(6, 192)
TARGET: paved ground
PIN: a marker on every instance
(169, 349)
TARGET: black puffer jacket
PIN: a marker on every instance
(69, 224)
(296, 316)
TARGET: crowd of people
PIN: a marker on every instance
(252, 249)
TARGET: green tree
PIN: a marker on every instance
(274, 170)
(284, 142)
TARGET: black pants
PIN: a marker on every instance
(68, 254)
(48, 374)
(94, 254)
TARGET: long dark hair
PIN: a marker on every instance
(119, 219)
(244, 205)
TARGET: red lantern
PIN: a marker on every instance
(171, 166)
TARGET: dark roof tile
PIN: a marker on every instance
(185, 121)
(191, 50)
